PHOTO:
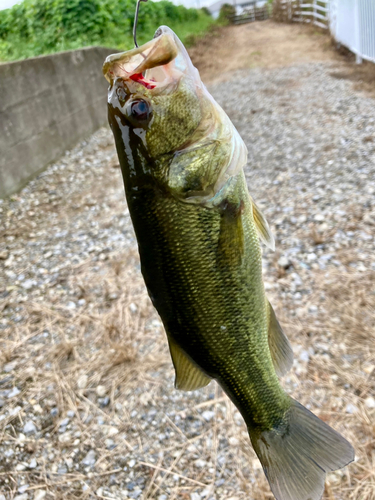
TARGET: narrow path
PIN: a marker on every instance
(87, 404)
(263, 44)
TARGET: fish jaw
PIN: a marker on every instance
(157, 65)
(161, 71)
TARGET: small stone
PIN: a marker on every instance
(304, 356)
(28, 284)
(133, 307)
(15, 410)
(9, 261)
(23, 488)
(319, 217)
(33, 463)
(29, 427)
(233, 441)
(195, 496)
(101, 390)
(311, 257)
(109, 444)
(351, 409)
(112, 431)
(40, 494)
(103, 401)
(200, 463)
(24, 496)
(65, 438)
(71, 305)
(70, 413)
(20, 467)
(370, 402)
(82, 381)
(208, 415)
(90, 458)
(10, 367)
(13, 393)
(64, 422)
(4, 254)
(284, 262)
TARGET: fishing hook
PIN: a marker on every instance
(136, 22)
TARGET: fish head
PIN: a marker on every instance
(167, 127)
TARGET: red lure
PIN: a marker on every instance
(138, 77)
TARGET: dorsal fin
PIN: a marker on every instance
(281, 350)
(188, 376)
(262, 226)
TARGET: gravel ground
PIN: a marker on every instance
(87, 404)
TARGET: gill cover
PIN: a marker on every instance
(211, 151)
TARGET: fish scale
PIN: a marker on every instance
(178, 245)
(198, 233)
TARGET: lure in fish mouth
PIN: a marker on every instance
(198, 233)
(157, 92)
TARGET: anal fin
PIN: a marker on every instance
(188, 376)
(281, 350)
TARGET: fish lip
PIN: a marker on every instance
(138, 63)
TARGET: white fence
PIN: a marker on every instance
(351, 22)
(315, 11)
(304, 11)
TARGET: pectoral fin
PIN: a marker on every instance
(231, 239)
(188, 376)
(281, 350)
(262, 226)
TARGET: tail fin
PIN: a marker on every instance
(297, 454)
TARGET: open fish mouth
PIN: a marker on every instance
(155, 65)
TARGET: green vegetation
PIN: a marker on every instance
(36, 27)
(227, 11)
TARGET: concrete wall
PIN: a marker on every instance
(47, 105)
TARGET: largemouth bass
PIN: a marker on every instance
(198, 235)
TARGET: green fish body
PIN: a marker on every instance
(198, 235)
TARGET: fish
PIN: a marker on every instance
(198, 231)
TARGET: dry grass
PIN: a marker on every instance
(122, 348)
(108, 363)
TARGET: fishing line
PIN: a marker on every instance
(136, 22)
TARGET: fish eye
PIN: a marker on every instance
(139, 112)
